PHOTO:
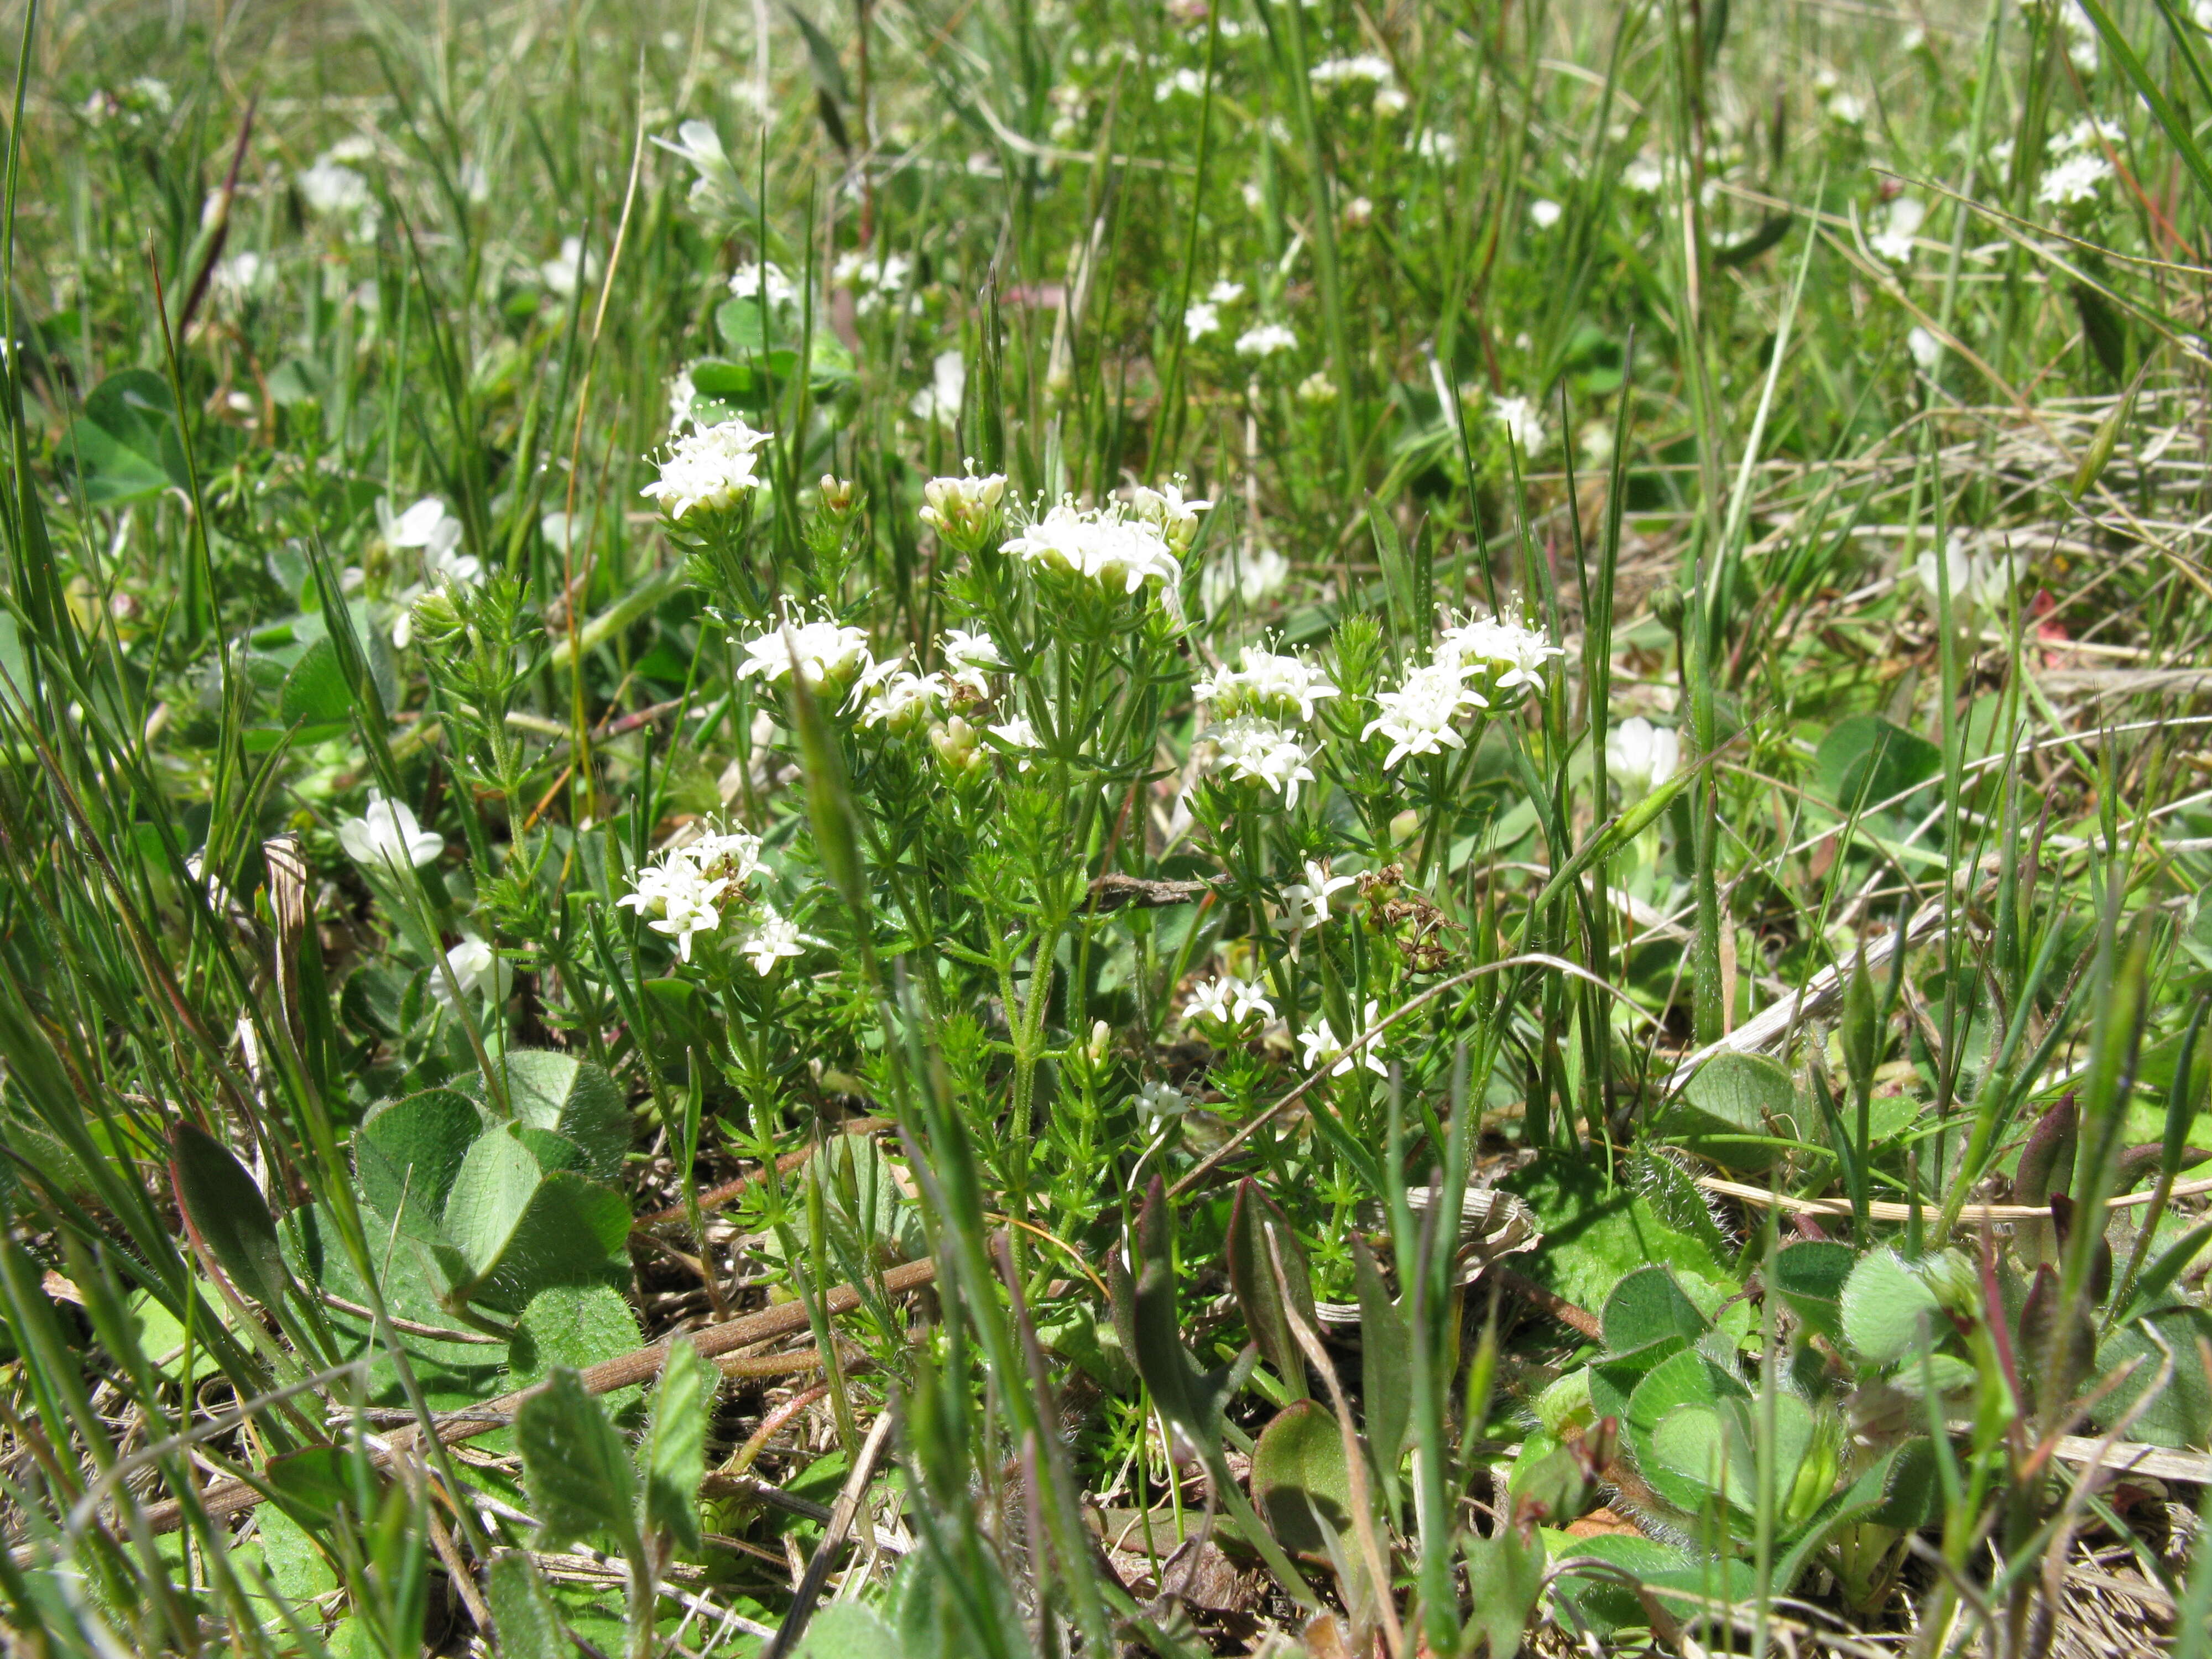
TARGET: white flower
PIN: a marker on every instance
(1391, 101)
(1017, 732)
(1265, 340)
(713, 468)
(1543, 214)
(1523, 420)
(479, 969)
(1190, 83)
(682, 394)
(751, 282)
(1258, 750)
(426, 524)
(388, 837)
(1168, 509)
(1257, 576)
(1104, 546)
(1316, 389)
(969, 657)
(568, 268)
(328, 187)
(676, 898)
(1893, 241)
(1639, 756)
(872, 281)
(825, 654)
(903, 700)
(1434, 146)
(1925, 349)
(1366, 66)
(1204, 317)
(766, 939)
(1979, 582)
(1643, 176)
(1225, 293)
(1269, 683)
(1847, 107)
(1418, 717)
(1157, 1102)
(2091, 132)
(2074, 179)
(1322, 1048)
(1502, 656)
(239, 275)
(1308, 900)
(733, 854)
(939, 401)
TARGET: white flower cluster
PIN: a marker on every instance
(2082, 164)
(874, 283)
(828, 656)
(1270, 683)
(1105, 545)
(1203, 317)
(1523, 422)
(1482, 664)
(962, 507)
(1265, 340)
(764, 279)
(1259, 704)
(1170, 510)
(1252, 577)
(713, 468)
(680, 894)
(1902, 222)
(1227, 1001)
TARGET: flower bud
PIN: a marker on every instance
(958, 750)
(1101, 1039)
(437, 619)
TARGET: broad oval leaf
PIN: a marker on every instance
(407, 1155)
(227, 1214)
(573, 1098)
(1300, 1482)
(490, 1193)
(574, 1464)
(1885, 1306)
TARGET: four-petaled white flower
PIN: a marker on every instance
(1017, 733)
(1322, 1047)
(901, 699)
(1202, 319)
(1639, 756)
(1225, 293)
(1264, 752)
(388, 837)
(1308, 900)
(713, 468)
(1157, 1102)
